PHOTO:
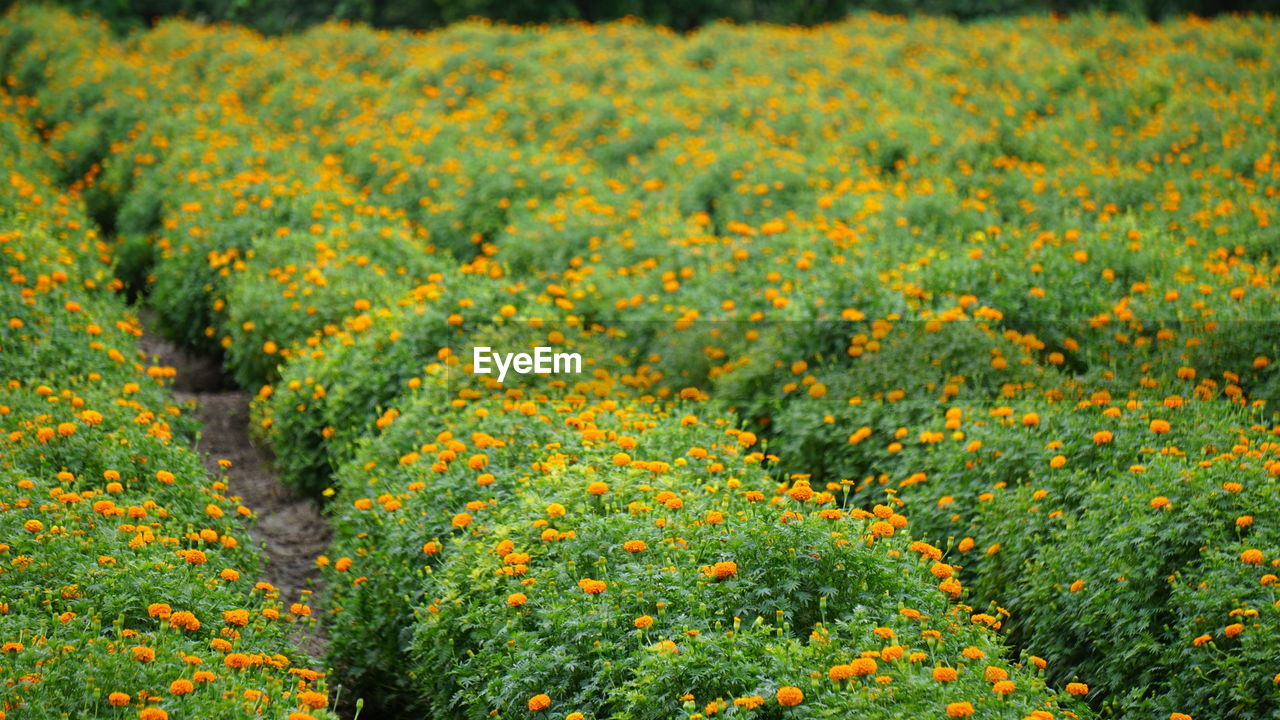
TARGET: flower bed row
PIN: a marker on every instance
(127, 583)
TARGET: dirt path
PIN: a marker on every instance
(290, 529)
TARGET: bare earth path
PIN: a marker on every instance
(289, 528)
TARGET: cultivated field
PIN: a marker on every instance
(928, 370)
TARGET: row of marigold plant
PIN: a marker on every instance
(128, 582)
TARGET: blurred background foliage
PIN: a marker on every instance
(275, 16)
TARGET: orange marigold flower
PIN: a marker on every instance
(591, 587)
(517, 599)
(184, 620)
(863, 666)
(789, 696)
(635, 546)
(118, 699)
(181, 686)
(801, 492)
(313, 699)
(1233, 630)
(840, 672)
(1077, 689)
(1003, 687)
(959, 709)
(539, 702)
(945, 674)
(1252, 556)
(152, 713)
(643, 622)
(724, 569)
(597, 488)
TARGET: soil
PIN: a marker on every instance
(290, 529)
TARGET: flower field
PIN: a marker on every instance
(929, 368)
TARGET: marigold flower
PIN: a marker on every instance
(863, 666)
(539, 702)
(181, 686)
(724, 569)
(1252, 556)
(1077, 689)
(945, 674)
(959, 709)
(789, 696)
(643, 622)
(517, 599)
(313, 699)
(118, 699)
